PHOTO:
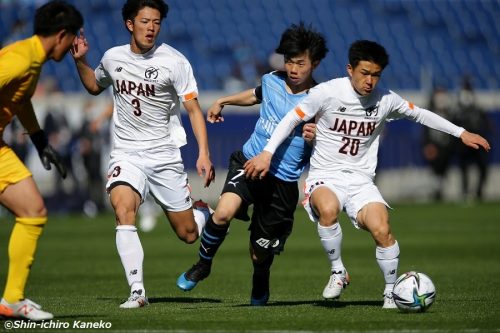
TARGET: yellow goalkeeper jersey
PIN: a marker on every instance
(20, 66)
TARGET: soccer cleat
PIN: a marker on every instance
(337, 282)
(259, 301)
(26, 309)
(135, 300)
(203, 207)
(188, 280)
(389, 301)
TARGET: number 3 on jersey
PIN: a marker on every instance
(351, 146)
(137, 107)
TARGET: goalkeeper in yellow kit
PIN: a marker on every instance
(55, 27)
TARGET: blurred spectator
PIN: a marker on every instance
(469, 115)
(90, 142)
(17, 138)
(438, 146)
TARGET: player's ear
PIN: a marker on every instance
(130, 25)
(349, 69)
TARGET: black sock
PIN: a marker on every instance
(260, 278)
(211, 238)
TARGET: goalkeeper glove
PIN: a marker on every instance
(47, 153)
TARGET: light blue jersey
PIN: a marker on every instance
(293, 154)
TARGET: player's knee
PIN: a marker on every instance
(222, 216)
(327, 216)
(188, 236)
(382, 235)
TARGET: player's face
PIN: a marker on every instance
(365, 76)
(145, 28)
(64, 41)
(299, 69)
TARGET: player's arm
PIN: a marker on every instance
(204, 166)
(435, 121)
(258, 166)
(86, 73)
(244, 98)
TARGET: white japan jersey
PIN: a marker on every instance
(348, 125)
(147, 90)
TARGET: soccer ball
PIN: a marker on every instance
(414, 292)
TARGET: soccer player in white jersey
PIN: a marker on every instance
(148, 81)
(350, 113)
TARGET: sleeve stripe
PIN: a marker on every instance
(299, 112)
(190, 96)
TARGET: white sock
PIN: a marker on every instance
(200, 218)
(388, 261)
(132, 255)
(331, 239)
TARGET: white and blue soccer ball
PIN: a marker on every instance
(414, 292)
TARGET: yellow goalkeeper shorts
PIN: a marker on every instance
(12, 170)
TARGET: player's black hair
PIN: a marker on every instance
(298, 39)
(55, 16)
(368, 51)
(132, 7)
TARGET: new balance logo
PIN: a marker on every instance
(118, 69)
(392, 272)
(341, 109)
(25, 309)
(332, 251)
(133, 272)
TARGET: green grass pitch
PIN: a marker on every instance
(78, 276)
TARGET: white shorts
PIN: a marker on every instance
(159, 172)
(353, 190)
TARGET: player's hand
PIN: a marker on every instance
(309, 132)
(214, 113)
(80, 46)
(206, 170)
(258, 167)
(475, 141)
(47, 154)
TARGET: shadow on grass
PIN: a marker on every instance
(321, 303)
(183, 300)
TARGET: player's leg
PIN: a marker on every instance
(20, 195)
(125, 202)
(231, 203)
(272, 223)
(261, 262)
(211, 239)
(325, 205)
(374, 218)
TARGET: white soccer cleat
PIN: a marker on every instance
(337, 282)
(135, 301)
(389, 301)
(26, 309)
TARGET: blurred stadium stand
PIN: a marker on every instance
(431, 42)
(445, 38)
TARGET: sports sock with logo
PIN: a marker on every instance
(131, 254)
(331, 239)
(388, 261)
(211, 239)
